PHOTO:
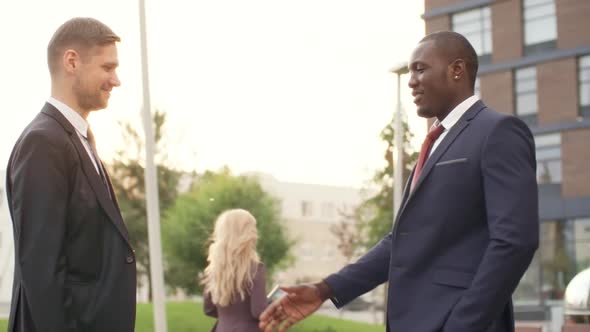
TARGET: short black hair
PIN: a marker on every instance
(455, 46)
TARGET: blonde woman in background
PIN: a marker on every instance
(235, 279)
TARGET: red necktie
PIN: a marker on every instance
(433, 134)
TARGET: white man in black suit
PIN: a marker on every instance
(74, 267)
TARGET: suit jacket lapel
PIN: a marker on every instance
(440, 150)
(438, 153)
(123, 230)
(405, 195)
(90, 171)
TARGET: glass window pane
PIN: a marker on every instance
(585, 61)
(557, 257)
(547, 140)
(526, 104)
(469, 15)
(585, 94)
(528, 291)
(487, 43)
(539, 12)
(469, 28)
(476, 42)
(582, 242)
(549, 172)
(555, 170)
(548, 153)
(540, 30)
(475, 25)
(584, 74)
(530, 72)
(526, 86)
(530, 3)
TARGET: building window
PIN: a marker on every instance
(306, 252)
(564, 250)
(306, 209)
(548, 158)
(540, 26)
(582, 243)
(558, 257)
(529, 288)
(476, 26)
(477, 87)
(584, 74)
(526, 94)
(328, 210)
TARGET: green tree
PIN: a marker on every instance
(127, 175)
(375, 214)
(350, 239)
(373, 218)
(189, 224)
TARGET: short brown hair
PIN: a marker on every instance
(80, 33)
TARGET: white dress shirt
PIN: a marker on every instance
(79, 124)
(451, 119)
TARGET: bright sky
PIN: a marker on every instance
(297, 89)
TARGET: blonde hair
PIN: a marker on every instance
(232, 257)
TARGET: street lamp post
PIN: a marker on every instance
(398, 167)
(151, 189)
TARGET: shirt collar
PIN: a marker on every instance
(451, 119)
(72, 116)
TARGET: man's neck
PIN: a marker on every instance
(458, 100)
(69, 100)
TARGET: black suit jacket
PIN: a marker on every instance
(74, 267)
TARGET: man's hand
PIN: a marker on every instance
(300, 302)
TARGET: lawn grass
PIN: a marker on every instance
(189, 317)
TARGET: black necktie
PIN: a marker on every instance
(92, 142)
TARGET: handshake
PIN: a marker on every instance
(290, 305)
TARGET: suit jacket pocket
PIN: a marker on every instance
(451, 162)
(80, 298)
(454, 278)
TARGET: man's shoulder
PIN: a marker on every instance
(489, 114)
(491, 118)
(43, 132)
(491, 123)
(45, 127)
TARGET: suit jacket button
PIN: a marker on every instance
(129, 259)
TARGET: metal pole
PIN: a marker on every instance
(399, 161)
(151, 188)
(398, 166)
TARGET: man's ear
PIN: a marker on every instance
(71, 60)
(457, 69)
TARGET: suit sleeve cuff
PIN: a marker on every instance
(326, 292)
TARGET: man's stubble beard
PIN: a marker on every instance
(87, 101)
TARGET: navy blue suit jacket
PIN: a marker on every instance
(463, 238)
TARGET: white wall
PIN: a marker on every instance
(316, 250)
